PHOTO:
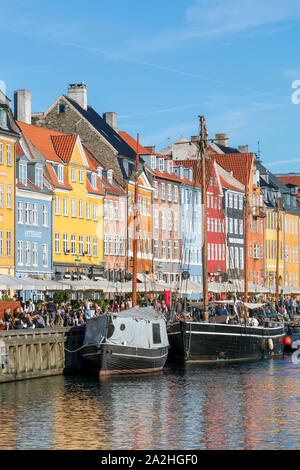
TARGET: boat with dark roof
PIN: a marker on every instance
(132, 341)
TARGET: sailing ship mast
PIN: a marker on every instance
(135, 226)
(203, 146)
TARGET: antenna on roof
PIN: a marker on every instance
(258, 152)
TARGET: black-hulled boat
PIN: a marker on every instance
(204, 342)
(128, 342)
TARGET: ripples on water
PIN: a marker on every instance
(248, 406)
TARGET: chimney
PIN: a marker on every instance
(78, 92)
(195, 139)
(243, 148)
(111, 120)
(221, 139)
(151, 148)
(22, 106)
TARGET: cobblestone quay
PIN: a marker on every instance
(26, 354)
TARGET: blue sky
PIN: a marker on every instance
(160, 64)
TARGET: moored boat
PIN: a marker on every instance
(132, 341)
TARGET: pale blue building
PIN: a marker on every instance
(33, 237)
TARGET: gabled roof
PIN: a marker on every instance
(64, 146)
(106, 131)
(239, 163)
(228, 181)
(197, 169)
(41, 138)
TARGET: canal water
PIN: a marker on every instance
(242, 406)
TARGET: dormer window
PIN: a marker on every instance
(153, 162)
(99, 172)
(110, 176)
(39, 177)
(191, 174)
(61, 108)
(23, 173)
(161, 164)
(3, 118)
(60, 173)
(169, 166)
(93, 181)
(181, 172)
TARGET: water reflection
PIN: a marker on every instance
(249, 406)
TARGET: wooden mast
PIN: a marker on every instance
(277, 254)
(203, 144)
(135, 225)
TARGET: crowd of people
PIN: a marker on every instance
(51, 314)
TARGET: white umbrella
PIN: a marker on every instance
(9, 283)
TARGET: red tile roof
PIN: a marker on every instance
(54, 180)
(40, 138)
(227, 185)
(292, 179)
(64, 146)
(133, 143)
(196, 165)
(240, 164)
(99, 189)
(19, 150)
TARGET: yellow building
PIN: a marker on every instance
(77, 203)
(270, 243)
(291, 250)
(8, 138)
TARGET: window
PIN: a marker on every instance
(80, 176)
(116, 210)
(57, 243)
(1, 195)
(80, 208)
(163, 191)
(20, 252)
(80, 245)
(27, 253)
(175, 222)
(169, 192)
(65, 243)
(111, 245)
(105, 245)
(3, 119)
(45, 216)
(111, 210)
(169, 249)
(161, 164)
(39, 176)
(105, 209)
(155, 248)
(95, 247)
(61, 108)
(8, 155)
(230, 202)
(23, 173)
(27, 213)
(170, 221)
(8, 196)
(73, 207)
(117, 245)
(88, 246)
(73, 244)
(175, 249)
(34, 214)
(163, 248)
(148, 206)
(34, 254)
(65, 206)
(88, 211)
(73, 175)
(20, 212)
(57, 205)
(155, 219)
(175, 193)
(241, 203)
(153, 162)
(94, 181)
(45, 255)
(94, 211)
(241, 223)
(129, 240)
(1, 153)
(122, 246)
(163, 221)
(60, 173)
